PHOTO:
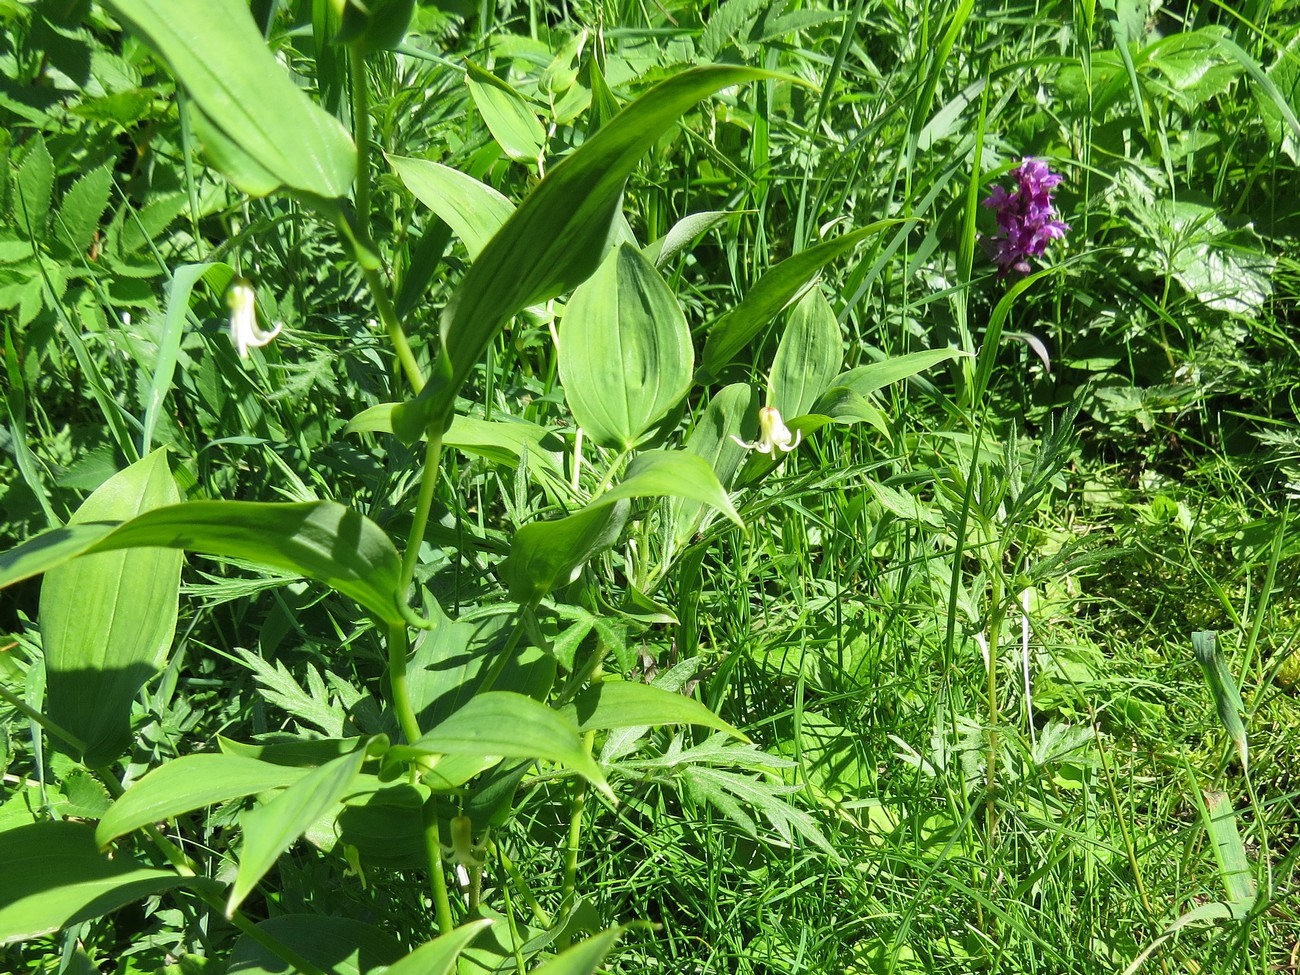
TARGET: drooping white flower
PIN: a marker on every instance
(245, 333)
(773, 434)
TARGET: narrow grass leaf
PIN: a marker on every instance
(188, 783)
(1223, 687)
(1230, 853)
(169, 346)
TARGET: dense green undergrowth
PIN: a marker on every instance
(994, 669)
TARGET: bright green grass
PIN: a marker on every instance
(841, 632)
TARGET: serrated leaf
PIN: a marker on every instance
(82, 207)
(33, 190)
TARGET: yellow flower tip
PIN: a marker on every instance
(245, 333)
(773, 434)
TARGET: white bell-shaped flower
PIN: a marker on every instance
(245, 333)
(773, 434)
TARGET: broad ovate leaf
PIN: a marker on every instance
(625, 350)
(108, 620)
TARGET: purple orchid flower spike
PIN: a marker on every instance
(1027, 220)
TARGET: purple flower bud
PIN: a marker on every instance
(1027, 220)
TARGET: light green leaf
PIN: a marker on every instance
(684, 232)
(272, 828)
(252, 112)
(503, 724)
(877, 375)
(509, 117)
(473, 210)
(188, 783)
(630, 704)
(545, 555)
(1223, 688)
(625, 350)
(320, 539)
(583, 958)
(108, 620)
(557, 238)
(810, 354)
(178, 305)
(56, 877)
(730, 333)
(500, 441)
(1230, 854)
(672, 474)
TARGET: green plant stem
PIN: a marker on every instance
(359, 233)
(540, 915)
(388, 316)
(576, 809)
(423, 505)
(397, 647)
(437, 873)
